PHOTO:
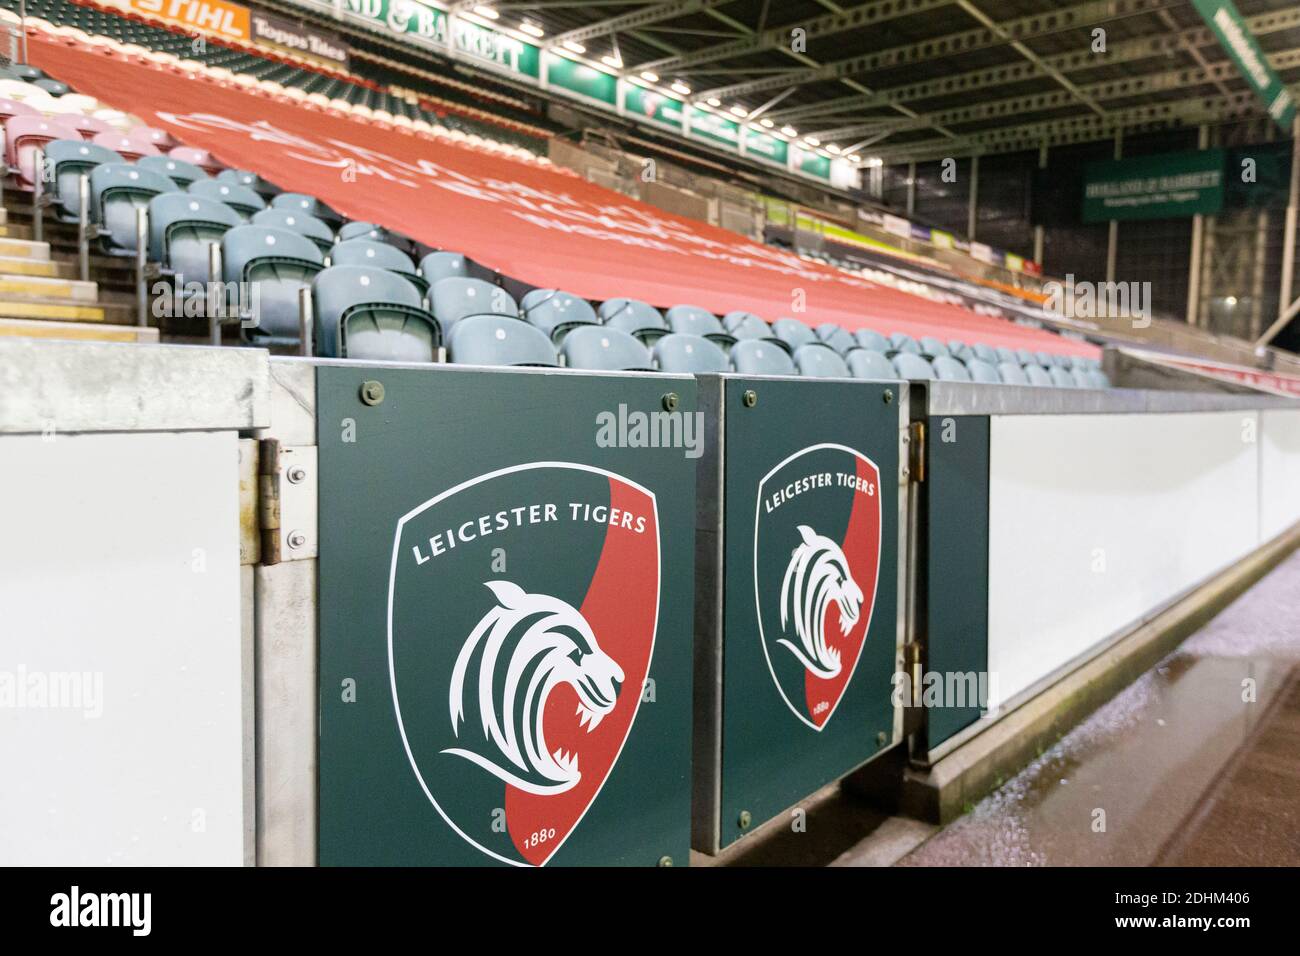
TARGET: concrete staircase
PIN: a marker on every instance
(40, 294)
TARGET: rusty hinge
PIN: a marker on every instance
(287, 501)
(916, 451)
(250, 530)
(913, 712)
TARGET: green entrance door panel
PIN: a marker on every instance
(505, 600)
(808, 608)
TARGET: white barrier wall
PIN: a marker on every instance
(1279, 484)
(121, 729)
(1131, 509)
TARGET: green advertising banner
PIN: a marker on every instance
(812, 164)
(402, 16)
(713, 127)
(504, 51)
(1165, 186)
(579, 78)
(810, 616)
(1226, 23)
(649, 105)
(506, 576)
(762, 146)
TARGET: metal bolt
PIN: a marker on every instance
(665, 861)
(750, 398)
(670, 401)
(296, 474)
(372, 392)
(881, 738)
(906, 471)
(888, 396)
(296, 539)
(746, 818)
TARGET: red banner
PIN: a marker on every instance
(533, 223)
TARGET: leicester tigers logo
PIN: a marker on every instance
(522, 649)
(816, 567)
(523, 607)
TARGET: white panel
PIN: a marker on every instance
(1279, 504)
(121, 561)
(1094, 520)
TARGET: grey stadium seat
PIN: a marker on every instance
(932, 348)
(948, 369)
(607, 349)
(368, 252)
(300, 222)
(454, 299)
(117, 191)
(818, 360)
(748, 328)
(68, 160)
(181, 228)
(443, 265)
(985, 353)
(534, 297)
(1061, 378)
(682, 352)
(249, 180)
(1097, 378)
(793, 333)
(560, 313)
(498, 340)
(912, 366)
(871, 340)
(1007, 355)
(368, 313)
(761, 357)
(1026, 357)
(281, 263)
(836, 337)
(239, 198)
(1037, 375)
(960, 350)
(301, 202)
(901, 342)
(693, 320)
(634, 317)
(738, 317)
(1012, 373)
(981, 371)
(177, 170)
(869, 364)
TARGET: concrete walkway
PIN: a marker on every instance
(1196, 762)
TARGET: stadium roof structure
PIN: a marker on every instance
(903, 80)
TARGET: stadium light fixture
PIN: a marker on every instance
(650, 76)
(739, 111)
(766, 123)
(486, 12)
(812, 141)
(682, 88)
(613, 62)
(532, 29)
(790, 131)
(832, 148)
(573, 46)
(714, 102)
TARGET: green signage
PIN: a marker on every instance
(761, 146)
(809, 604)
(812, 164)
(566, 74)
(505, 618)
(713, 127)
(1164, 186)
(649, 105)
(1225, 22)
(402, 16)
(504, 51)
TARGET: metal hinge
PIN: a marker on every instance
(287, 501)
(913, 713)
(916, 452)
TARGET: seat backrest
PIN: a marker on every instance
(302, 223)
(948, 369)
(1047, 360)
(74, 157)
(195, 157)
(960, 350)
(835, 336)
(177, 170)
(981, 371)
(116, 189)
(1037, 375)
(761, 357)
(604, 348)
(559, 312)
(1079, 377)
(443, 265)
(498, 340)
(693, 320)
(749, 326)
(1096, 378)
(301, 202)
(985, 353)
(1012, 374)
(184, 223)
(369, 252)
(249, 180)
(818, 360)
(129, 148)
(869, 364)
(1008, 355)
(683, 352)
(793, 333)
(1026, 357)
(358, 229)
(86, 127)
(244, 246)
(455, 299)
(277, 264)
(239, 198)
(632, 316)
(366, 312)
(1061, 378)
(902, 342)
(932, 348)
(912, 366)
(871, 341)
(10, 108)
(736, 318)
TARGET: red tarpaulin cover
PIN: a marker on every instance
(535, 224)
